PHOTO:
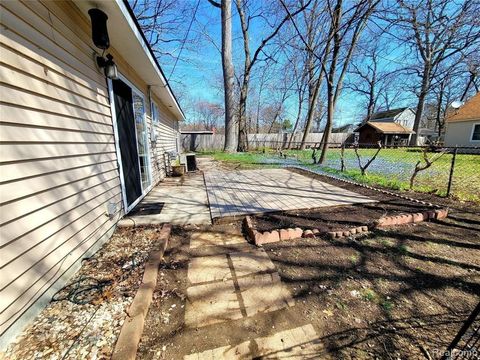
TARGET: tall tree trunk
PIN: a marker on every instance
(329, 125)
(439, 116)
(312, 106)
(242, 106)
(299, 115)
(421, 104)
(371, 99)
(228, 77)
(242, 118)
(257, 116)
(331, 93)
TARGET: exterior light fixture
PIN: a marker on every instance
(101, 40)
(99, 28)
(108, 66)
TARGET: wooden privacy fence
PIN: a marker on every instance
(209, 142)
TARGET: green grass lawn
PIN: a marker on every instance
(391, 169)
(246, 160)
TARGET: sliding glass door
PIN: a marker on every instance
(132, 140)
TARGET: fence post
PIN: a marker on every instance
(452, 167)
(468, 323)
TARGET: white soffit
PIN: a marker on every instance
(127, 40)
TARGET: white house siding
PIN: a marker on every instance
(459, 133)
(58, 165)
(406, 118)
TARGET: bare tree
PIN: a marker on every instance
(261, 87)
(209, 114)
(347, 30)
(250, 61)
(300, 83)
(428, 162)
(438, 31)
(371, 77)
(455, 83)
(317, 41)
(363, 168)
(160, 21)
(228, 74)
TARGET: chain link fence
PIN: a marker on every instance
(445, 171)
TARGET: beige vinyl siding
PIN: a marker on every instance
(58, 161)
(167, 135)
(58, 166)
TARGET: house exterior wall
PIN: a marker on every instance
(406, 118)
(368, 135)
(168, 135)
(58, 161)
(459, 133)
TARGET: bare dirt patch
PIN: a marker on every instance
(84, 320)
(336, 218)
(390, 294)
(396, 293)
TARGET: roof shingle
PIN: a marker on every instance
(388, 127)
(469, 111)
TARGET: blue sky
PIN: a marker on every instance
(197, 75)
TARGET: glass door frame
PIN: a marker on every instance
(117, 144)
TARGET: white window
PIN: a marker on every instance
(476, 132)
(155, 113)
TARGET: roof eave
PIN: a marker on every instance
(136, 28)
(128, 40)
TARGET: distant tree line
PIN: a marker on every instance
(287, 62)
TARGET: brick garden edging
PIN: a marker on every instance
(260, 238)
(132, 329)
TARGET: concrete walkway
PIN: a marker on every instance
(233, 193)
(178, 201)
(230, 280)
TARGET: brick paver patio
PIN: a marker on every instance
(233, 193)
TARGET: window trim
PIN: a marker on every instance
(473, 131)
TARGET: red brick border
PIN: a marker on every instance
(132, 329)
(260, 238)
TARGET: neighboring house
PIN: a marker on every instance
(400, 116)
(391, 127)
(78, 150)
(463, 125)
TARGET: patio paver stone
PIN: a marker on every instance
(234, 193)
(263, 293)
(209, 268)
(298, 343)
(211, 303)
(249, 262)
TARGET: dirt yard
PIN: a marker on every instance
(395, 294)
